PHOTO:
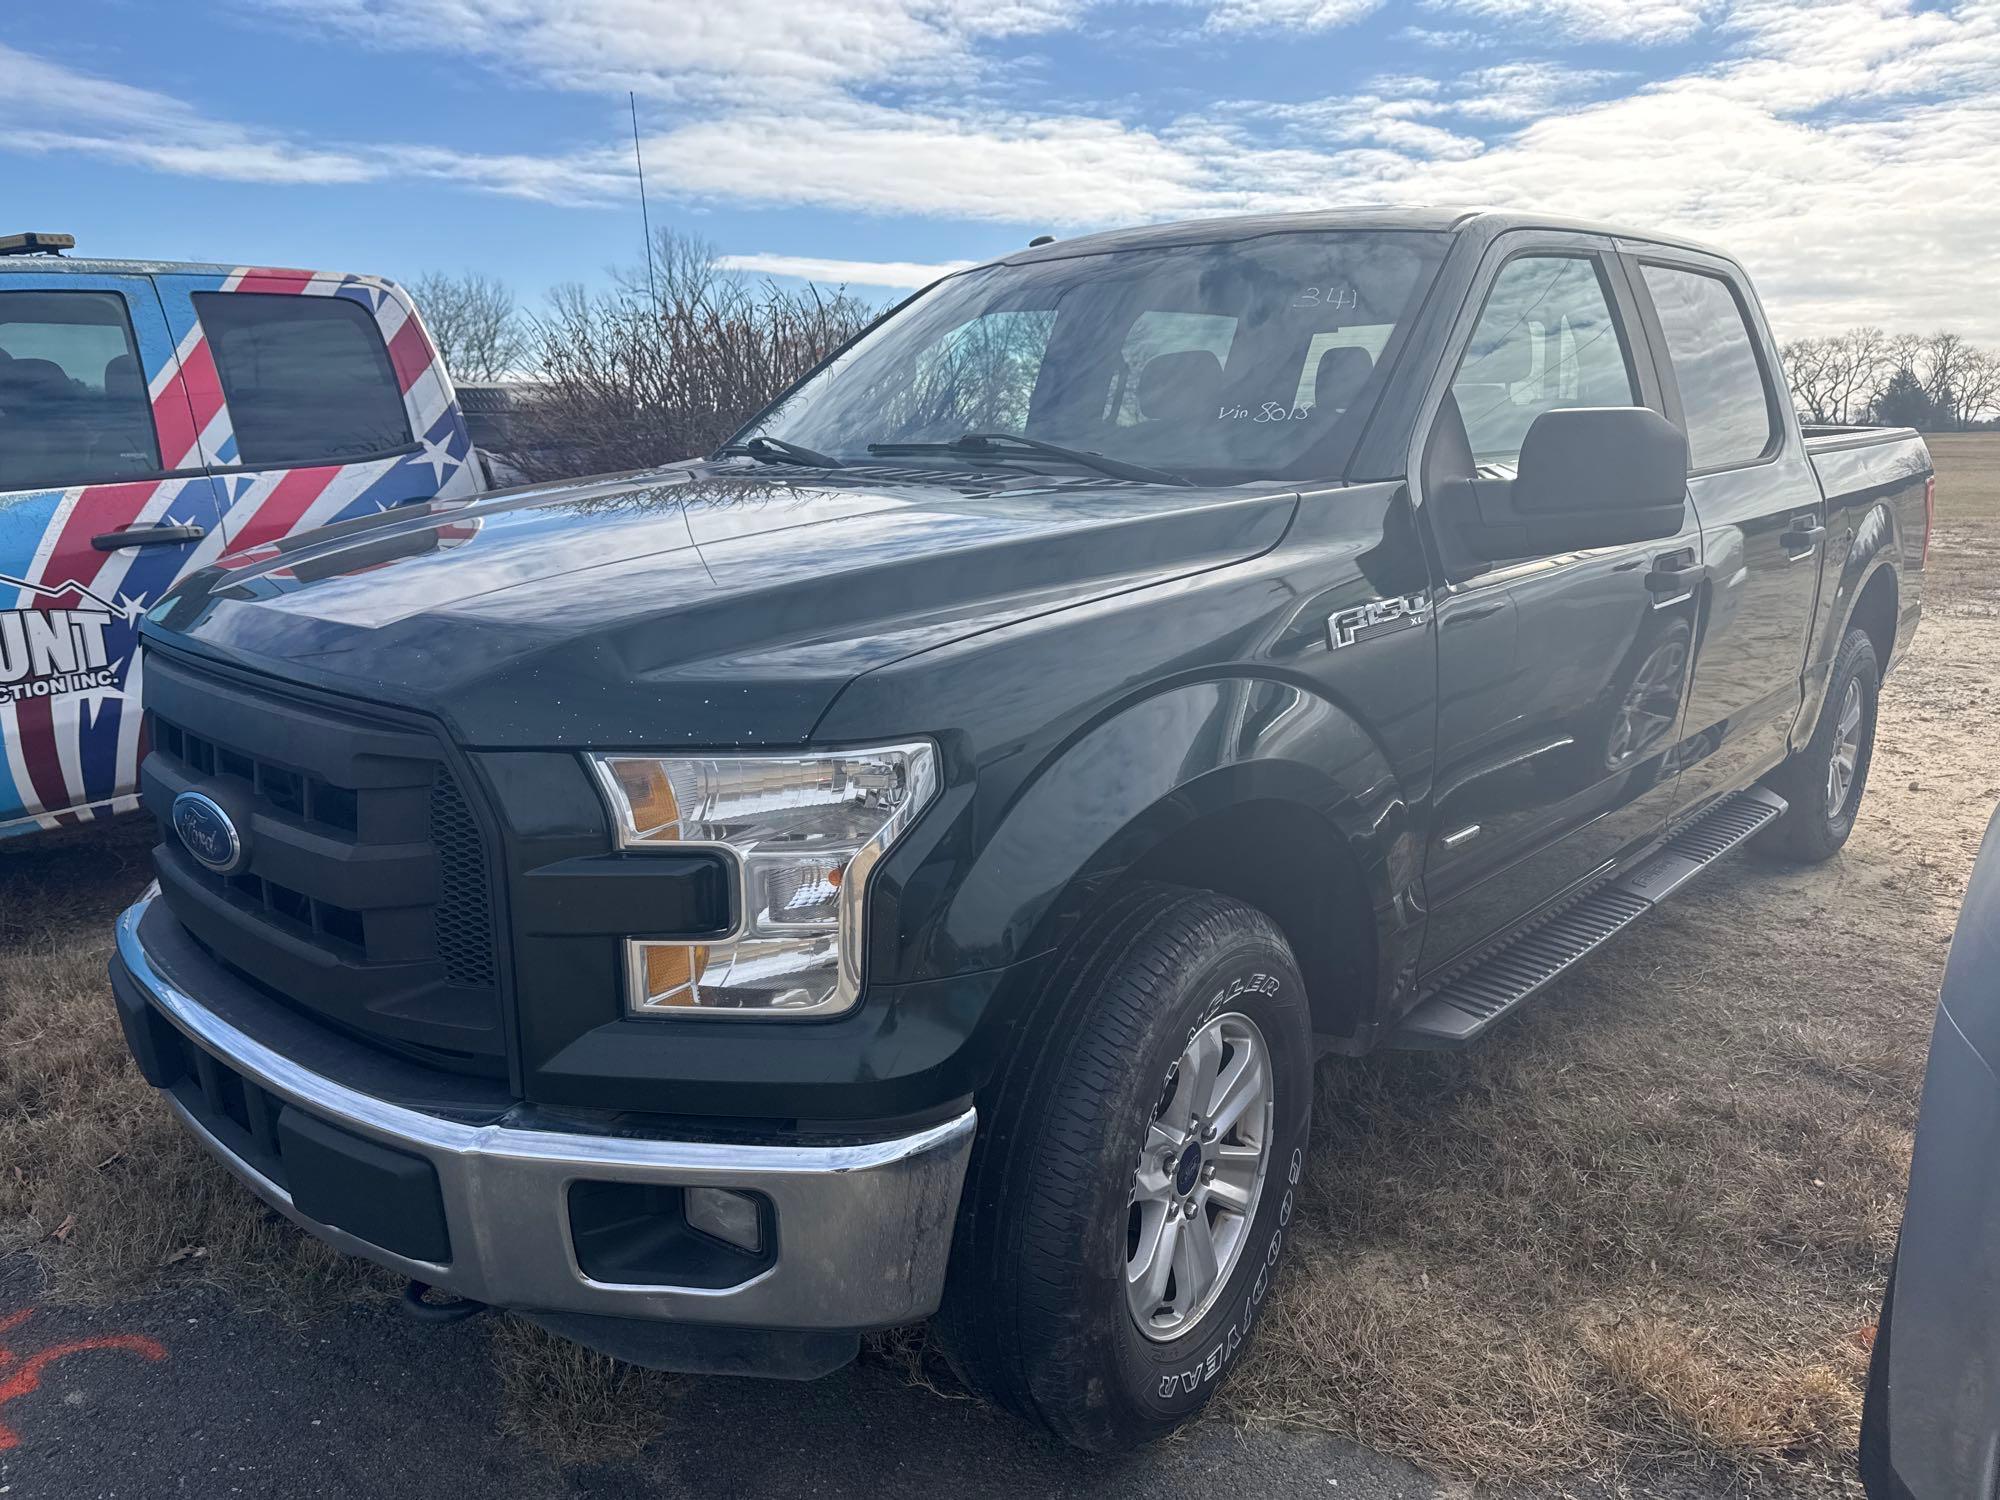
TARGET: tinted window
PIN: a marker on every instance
(1222, 362)
(307, 378)
(1545, 339)
(1724, 400)
(73, 405)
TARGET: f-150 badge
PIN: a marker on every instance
(1364, 620)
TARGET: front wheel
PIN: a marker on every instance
(1824, 781)
(1128, 1203)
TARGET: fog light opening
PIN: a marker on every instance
(734, 1218)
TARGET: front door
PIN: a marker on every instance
(1561, 678)
(103, 503)
(1761, 516)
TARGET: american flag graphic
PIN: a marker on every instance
(70, 674)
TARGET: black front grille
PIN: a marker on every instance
(463, 917)
(366, 896)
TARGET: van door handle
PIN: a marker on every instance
(1804, 534)
(1674, 578)
(147, 536)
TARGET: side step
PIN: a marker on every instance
(1460, 1008)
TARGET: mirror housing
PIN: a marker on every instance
(1589, 476)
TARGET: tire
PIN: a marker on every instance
(1815, 826)
(1072, 1173)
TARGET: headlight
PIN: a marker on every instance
(802, 834)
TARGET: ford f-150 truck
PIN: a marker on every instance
(153, 417)
(909, 861)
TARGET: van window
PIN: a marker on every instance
(73, 404)
(307, 379)
(1545, 339)
(1724, 400)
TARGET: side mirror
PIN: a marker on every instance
(1589, 476)
(1597, 458)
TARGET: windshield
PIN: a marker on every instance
(1256, 358)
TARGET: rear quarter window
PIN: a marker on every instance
(308, 379)
(1724, 398)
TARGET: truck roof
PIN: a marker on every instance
(1484, 222)
(86, 265)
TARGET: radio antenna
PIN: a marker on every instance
(645, 217)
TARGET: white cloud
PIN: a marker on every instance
(904, 274)
(46, 108)
(1641, 22)
(1296, 15)
(1846, 149)
(694, 48)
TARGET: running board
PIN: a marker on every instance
(1460, 1008)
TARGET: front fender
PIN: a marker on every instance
(1128, 782)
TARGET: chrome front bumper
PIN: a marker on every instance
(862, 1229)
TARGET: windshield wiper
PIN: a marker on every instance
(772, 450)
(996, 444)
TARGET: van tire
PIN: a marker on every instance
(1037, 1315)
(1813, 828)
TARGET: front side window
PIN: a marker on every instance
(73, 404)
(1225, 362)
(307, 379)
(1724, 398)
(1545, 339)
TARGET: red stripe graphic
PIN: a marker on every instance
(281, 511)
(175, 425)
(204, 386)
(273, 279)
(410, 353)
(34, 720)
(101, 508)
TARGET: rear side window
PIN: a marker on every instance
(73, 406)
(308, 379)
(1724, 398)
(1545, 339)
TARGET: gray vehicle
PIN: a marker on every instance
(1931, 1427)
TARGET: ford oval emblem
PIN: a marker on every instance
(209, 832)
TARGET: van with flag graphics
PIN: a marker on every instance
(157, 418)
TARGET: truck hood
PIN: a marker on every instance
(708, 604)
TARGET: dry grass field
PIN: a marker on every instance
(1640, 1235)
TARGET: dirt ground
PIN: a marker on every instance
(1636, 1239)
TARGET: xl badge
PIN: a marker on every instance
(209, 833)
(1351, 625)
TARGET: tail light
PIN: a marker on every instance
(1930, 516)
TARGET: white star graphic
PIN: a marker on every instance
(438, 456)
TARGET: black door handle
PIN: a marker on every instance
(1674, 577)
(1804, 534)
(148, 536)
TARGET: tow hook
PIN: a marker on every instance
(455, 1311)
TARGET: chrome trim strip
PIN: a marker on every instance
(864, 1229)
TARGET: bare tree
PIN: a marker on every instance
(667, 365)
(474, 323)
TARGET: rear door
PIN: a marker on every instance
(1762, 518)
(318, 398)
(103, 503)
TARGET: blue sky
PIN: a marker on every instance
(1846, 149)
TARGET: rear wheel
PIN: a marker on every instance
(1823, 783)
(1128, 1201)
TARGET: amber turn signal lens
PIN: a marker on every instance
(672, 974)
(648, 793)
